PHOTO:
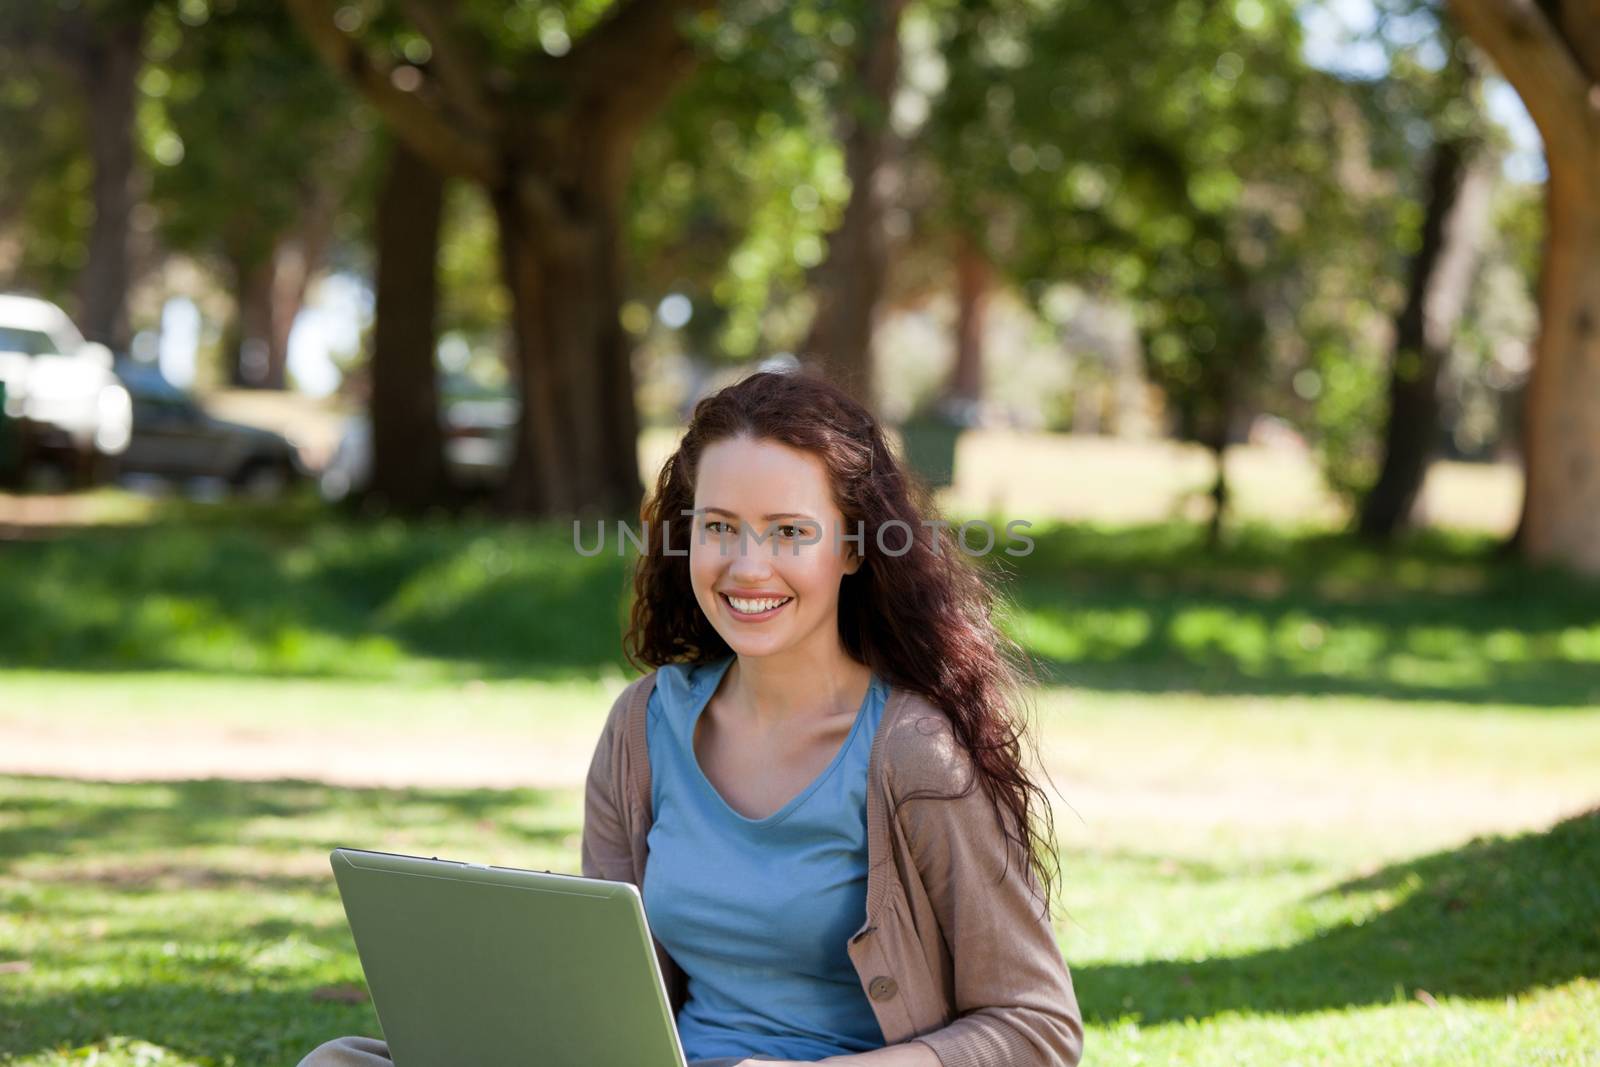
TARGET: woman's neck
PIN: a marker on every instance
(775, 691)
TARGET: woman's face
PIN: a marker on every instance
(766, 529)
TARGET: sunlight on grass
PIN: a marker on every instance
(199, 918)
(304, 595)
(1311, 798)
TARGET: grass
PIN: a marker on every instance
(1278, 612)
(195, 923)
(196, 917)
(1317, 805)
(289, 593)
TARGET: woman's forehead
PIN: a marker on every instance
(757, 479)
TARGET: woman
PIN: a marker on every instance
(821, 770)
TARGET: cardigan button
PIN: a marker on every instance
(882, 987)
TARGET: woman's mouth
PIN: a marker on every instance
(754, 609)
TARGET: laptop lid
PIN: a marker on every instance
(473, 964)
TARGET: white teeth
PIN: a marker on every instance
(756, 607)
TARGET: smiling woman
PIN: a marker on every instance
(784, 596)
(818, 789)
(824, 769)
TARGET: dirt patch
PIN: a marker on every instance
(1094, 800)
(349, 757)
(34, 516)
(303, 873)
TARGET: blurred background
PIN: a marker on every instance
(321, 323)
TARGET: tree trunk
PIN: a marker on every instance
(549, 138)
(298, 259)
(109, 65)
(1225, 379)
(972, 298)
(1217, 442)
(249, 339)
(577, 433)
(408, 471)
(1561, 522)
(1216, 426)
(850, 281)
(1460, 179)
(268, 296)
(1550, 52)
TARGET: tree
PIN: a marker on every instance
(1166, 164)
(100, 43)
(408, 470)
(850, 282)
(742, 181)
(252, 118)
(1549, 50)
(46, 177)
(107, 55)
(964, 389)
(1460, 180)
(1401, 249)
(543, 116)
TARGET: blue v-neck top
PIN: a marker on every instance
(757, 912)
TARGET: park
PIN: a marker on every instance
(1246, 350)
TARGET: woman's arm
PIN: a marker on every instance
(910, 1054)
(1014, 1001)
(605, 851)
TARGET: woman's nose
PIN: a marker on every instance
(748, 561)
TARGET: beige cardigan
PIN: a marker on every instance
(953, 952)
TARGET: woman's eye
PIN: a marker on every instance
(793, 531)
(712, 524)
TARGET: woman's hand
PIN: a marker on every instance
(911, 1054)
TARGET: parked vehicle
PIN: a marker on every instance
(173, 436)
(67, 404)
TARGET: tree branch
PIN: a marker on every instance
(454, 62)
(1540, 65)
(624, 67)
(446, 145)
(1580, 24)
(60, 38)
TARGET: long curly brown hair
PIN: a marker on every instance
(921, 620)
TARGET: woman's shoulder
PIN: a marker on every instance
(668, 683)
(623, 703)
(625, 697)
(920, 750)
(925, 760)
(683, 683)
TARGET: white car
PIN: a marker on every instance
(61, 389)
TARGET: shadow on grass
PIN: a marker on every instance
(1272, 613)
(1492, 918)
(1194, 871)
(239, 964)
(194, 1019)
(71, 818)
(1140, 609)
(327, 600)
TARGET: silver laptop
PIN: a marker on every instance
(472, 964)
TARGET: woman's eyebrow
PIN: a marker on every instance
(769, 518)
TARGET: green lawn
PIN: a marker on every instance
(196, 923)
(1316, 805)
